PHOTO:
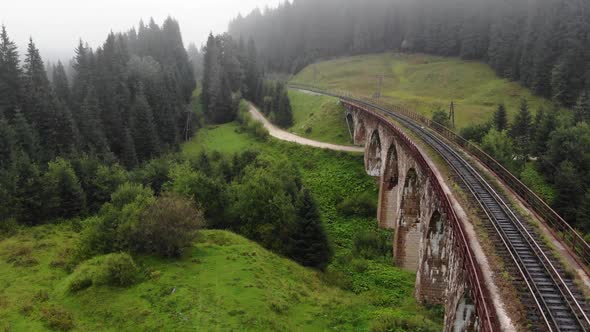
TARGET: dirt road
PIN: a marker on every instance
(287, 136)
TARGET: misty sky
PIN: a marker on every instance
(57, 25)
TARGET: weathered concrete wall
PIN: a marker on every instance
(423, 242)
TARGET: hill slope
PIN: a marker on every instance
(224, 283)
(423, 83)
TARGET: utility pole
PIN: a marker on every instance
(377, 94)
(452, 114)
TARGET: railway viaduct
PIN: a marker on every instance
(435, 238)
(414, 202)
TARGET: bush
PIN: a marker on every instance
(386, 322)
(166, 227)
(119, 270)
(57, 318)
(362, 205)
(372, 244)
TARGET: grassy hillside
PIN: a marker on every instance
(319, 118)
(423, 83)
(384, 292)
(224, 283)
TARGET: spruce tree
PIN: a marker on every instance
(10, 76)
(61, 86)
(7, 143)
(545, 124)
(93, 139)
(583, 214)
(521, 130)
(308, 242)
(128, 156)
(144, 132)
(501, 118)
(26, 140)
(28, 198)
(63, 194)
(66, 131)
(582, 108)
(569, 190)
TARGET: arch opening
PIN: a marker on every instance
(373, 163)
(411, 198)
(465, 318)
(361, 133)
(350, 123)
(391, 175)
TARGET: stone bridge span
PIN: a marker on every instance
(429, 237)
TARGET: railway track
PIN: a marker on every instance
(556, 302)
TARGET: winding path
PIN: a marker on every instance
(289, 137)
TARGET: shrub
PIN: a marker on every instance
(166, 227)
(8, 227)
(118, 270)
(386, 322)
(372, 244)
(57, 318)
(362, 205)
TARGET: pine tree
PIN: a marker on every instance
(582, 108)
(7, 143)
(569, 190)
(583, 214)
(39, 108)
(521, 130)
(500, 118)
(308, 243)
(28, 199)
(26, 139)
(144, 132)
(61, 86)
(93, 139)
(63, 194)
(10, 76)
(128, 155)
(66, 131)
(545, 124)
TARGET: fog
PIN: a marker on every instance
(56, 26)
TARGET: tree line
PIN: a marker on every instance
(232, 71)
(542, 44)
(126, 103)
(548, 151)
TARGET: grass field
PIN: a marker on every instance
(224, 282)
(381, 289)
(423, 83)
(319, 118)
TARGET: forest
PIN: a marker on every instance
(543, 45)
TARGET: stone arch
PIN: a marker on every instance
(350, 123)
(373, 153)
(391, 172)
(361, 133)
(409, 231)
(465, 316)
(434, 261)
(410, 208)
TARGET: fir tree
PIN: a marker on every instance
(308, 243)
(144, 132)
(63, 194)
(521, 130)
(500, 118)
(10, 76)
(61, 86)
(582, 108)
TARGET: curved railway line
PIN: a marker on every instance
(557, 304)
